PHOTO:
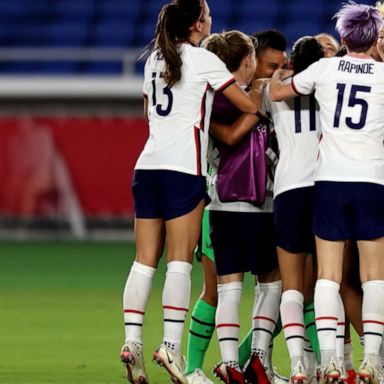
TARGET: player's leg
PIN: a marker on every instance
(311, 342)
(182, 236)
(293, 218)
(226, 236)
(227, 317)
(368, 227)
(372, 277)
(350, 288)
(311, 332)
(352, 296)
(261, 250)
(348, 354)
(292, 268)
(265, 315)
(149, 237)
(327, 303)
(202, 323)
(332, 226)
(182, 203)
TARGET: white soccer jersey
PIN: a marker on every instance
(350, 92)
(179, 116)
(296, 124)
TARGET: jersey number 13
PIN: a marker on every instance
(164, 108)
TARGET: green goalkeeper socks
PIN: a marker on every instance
(201, 329)
(245, 348)
(310, 329)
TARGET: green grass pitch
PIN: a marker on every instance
(61, 314)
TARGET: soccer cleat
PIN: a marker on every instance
(198, 377)
(174, 364)
(228, 375)
(298, 374)
(369, 373)
(351, 376)
(132, 357)
(220, 372)
(254, 371)
(329, 374)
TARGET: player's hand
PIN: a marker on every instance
(258, 85)
(255, 95)
(281, 74)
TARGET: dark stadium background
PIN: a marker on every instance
(71, 127)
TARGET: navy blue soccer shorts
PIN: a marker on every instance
(166, 194)
(243, 241)
(348, 210)
(293, 211)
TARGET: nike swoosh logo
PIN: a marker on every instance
(170, 361)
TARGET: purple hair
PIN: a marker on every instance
(358, 25)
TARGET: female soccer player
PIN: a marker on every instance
(270, 53)
(329, 44)
(237, 52)
(241, 241)
(169, 178)
(297, 130)
(349, 180)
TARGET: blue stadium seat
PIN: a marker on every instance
(32, 35)
(17, 68)
(221, 10)
(131, 23)
(109, 68)
(144, 33)
(251, 27)
(295, 29)
(151, 11)
(122, 10)
(113, 34)
(12, 8)
(57, 68)
(220, 25)
(74, 9)
(300, 10)
(68, 34)
(262, 9)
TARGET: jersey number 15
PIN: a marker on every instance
(352, 102)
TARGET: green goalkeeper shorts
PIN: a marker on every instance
(204, 247)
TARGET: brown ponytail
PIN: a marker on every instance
(172, 28)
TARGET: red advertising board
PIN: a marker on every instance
(46, 162)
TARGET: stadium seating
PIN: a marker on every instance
(128, 24)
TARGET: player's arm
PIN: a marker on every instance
(279, 90)
(146, 106)
(243, 101)
(232, 134)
